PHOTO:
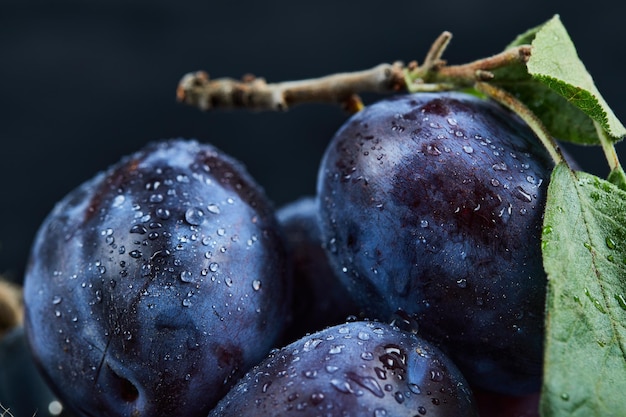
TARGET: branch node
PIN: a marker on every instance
(482, 75)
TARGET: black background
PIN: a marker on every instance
(84, 82)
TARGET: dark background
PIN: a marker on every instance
(84, 82)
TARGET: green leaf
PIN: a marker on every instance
(584, 251)
(554, 61)
(556, 86)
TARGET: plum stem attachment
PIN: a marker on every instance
(512, 103)
(198, 90)
(616, 175)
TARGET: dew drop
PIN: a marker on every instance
(317, 398)
(186, 276)
(336, 349)
(163, 214)
(138, 229)
(341, 385)
(398, 397)
(186, 302)
(266, 386)
(368, 383)
(436, 375)
(414, 388)
(56, 299)
(135, 254)
(522, 194)
(213, 208)
(213, 266)
(194, 216)
(156, 198)
(310, 374)
(331, 368)
(311, 344)
(499, 167)
(256, 285)
(118, 200)
(610, 243)
(433, 150)
(597, 304)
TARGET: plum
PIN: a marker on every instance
(431, 206)
(358, 368)
(319, 300)
(152, 287)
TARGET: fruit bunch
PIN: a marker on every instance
(451, 263)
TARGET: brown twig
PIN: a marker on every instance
(480, 70)
(198, 90)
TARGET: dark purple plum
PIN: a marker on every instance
(154, 286)
(431, 205)
(319, 299)
(354, 369)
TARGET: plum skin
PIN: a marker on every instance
(156, 284)
(431, 204)
(319, 300)
(357, 368)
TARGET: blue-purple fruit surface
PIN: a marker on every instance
(359, 368)
(431, 206)
(155, 285)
